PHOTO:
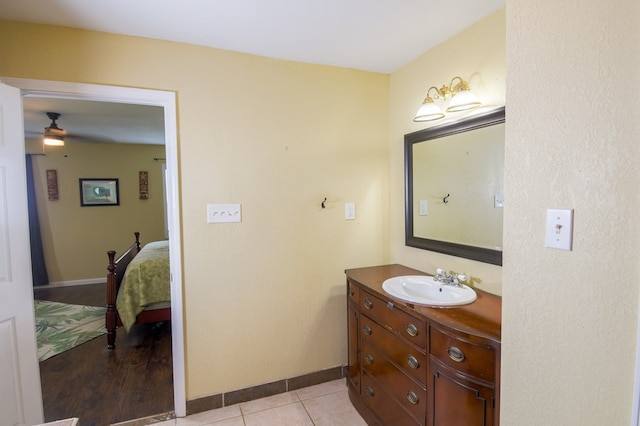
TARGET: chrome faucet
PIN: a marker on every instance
(449, 278)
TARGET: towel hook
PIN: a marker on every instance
(444, 200)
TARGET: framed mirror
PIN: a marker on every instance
(454, 176)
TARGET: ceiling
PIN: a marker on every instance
(370, 35)
(103, 122)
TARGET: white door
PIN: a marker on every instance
(20, 392)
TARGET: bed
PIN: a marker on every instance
(138, 287)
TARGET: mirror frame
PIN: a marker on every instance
(480, 254)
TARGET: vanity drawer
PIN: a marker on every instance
(353, 293)
(401, 323)
(406, 357)
(411, 395)
(385, 408)
(462, 355)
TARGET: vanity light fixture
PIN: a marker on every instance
(462, 99)
(53, 135)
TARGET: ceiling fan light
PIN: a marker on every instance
(429, 111)
(463, 100)
(54, 140)
(53, 135)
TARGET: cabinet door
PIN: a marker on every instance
(354, 348)
(455, 401)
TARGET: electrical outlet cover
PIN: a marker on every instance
(350, 211)
(424, 207)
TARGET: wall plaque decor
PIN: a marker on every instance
(99, 192)
(52, 185)
(143, 185)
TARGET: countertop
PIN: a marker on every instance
(482, 318)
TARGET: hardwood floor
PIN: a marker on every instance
(102, 386)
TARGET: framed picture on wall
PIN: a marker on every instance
(99, 192)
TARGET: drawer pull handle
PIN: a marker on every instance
(413, 362)
(412, 330)
(369, 391)
(368, 303)
(368, 358)
(367, 330)
(412, 397)
(455, 354)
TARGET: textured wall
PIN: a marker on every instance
(570, 317)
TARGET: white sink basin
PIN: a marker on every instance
(423, 290)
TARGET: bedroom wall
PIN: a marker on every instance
(75, 239)
(263, 299)
(476, 54)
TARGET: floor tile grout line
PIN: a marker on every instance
(244, 421)
(243, 414)
(320, 396)
(307, 411)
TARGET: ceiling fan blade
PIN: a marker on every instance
(30, 134)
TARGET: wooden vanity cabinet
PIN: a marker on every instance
(411, 365)
(353, 314)
(462, 375)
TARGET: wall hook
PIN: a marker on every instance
(444, 200)
(324, 201)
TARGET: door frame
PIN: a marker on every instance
(167, 100)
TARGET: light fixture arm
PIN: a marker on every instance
(429, 98)
(462, 85)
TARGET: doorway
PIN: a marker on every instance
(167, 100)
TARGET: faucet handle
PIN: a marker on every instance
(462, 277)
(439, 271)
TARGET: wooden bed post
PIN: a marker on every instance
(116, 272)
(112, 291)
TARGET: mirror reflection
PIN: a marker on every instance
(454, 181)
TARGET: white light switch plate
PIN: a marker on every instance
(559, 229)
(224, 213)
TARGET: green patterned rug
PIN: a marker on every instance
(60, 327)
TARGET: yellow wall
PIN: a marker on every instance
(264, 299)
(570, 318)
(75, 239)
(477, 54)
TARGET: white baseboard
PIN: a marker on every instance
(75, 282)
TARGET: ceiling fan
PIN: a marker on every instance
(54, 135)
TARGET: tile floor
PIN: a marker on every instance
(323, 404)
